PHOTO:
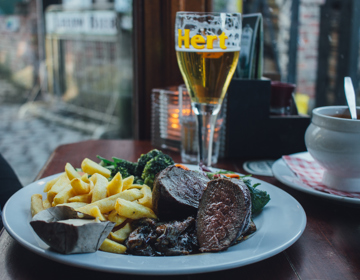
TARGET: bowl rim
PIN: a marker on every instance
(319, 112)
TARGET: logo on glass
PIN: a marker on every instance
(199, 42)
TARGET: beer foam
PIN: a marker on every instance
(210, 24)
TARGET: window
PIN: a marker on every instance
(313, 44)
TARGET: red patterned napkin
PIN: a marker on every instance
(311, 173)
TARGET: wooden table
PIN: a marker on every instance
(328, 249)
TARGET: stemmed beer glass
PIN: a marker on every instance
(207, 48)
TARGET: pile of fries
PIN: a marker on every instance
(118, 201)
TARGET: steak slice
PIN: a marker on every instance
(224, 214)
(177, 192)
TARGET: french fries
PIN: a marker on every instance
(46, 204)
(91, 167)
(112, 247)
(49, 184)
(71, 172)
(59, 185)
(95, 212)
(115, 200)
(121, 234)
(146, 200)
(85, 178)
(108, 204)
(116, 185)
(81, 198)
(100, 187)
(128, 182)
(133, 210)
(36, 204)
(64, 195)
(79, 186)
(116, 218)
(135, 186)
(74, 205)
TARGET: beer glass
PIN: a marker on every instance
(207, 48)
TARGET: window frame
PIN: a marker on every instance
(154, 57)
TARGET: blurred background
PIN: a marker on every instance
(84, 69)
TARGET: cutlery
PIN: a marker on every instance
(350, 97)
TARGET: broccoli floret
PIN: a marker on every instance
(144, 158)
(138, 181)
(123, 171)
(128, 165)
(126, 168)
(154, 166)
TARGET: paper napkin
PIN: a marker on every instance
(311, 173)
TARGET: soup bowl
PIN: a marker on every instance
(333, 140)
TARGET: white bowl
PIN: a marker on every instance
(335, 143)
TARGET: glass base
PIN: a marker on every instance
(189, 140)
(193, 159)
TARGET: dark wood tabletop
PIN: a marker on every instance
(328, 249)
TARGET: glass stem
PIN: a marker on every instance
(206, 119)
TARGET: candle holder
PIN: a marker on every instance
(165, 124)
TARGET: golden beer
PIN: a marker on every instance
(207, 74)
(207, 48)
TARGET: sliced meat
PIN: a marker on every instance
(251, 229)
(224, 214)
(177, 192)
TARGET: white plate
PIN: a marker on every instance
(286, 176)
(279, 225)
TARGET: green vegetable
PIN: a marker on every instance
(126, 168)
(105, 162)
(123, 171)
(144, 170)
(138, 181)
(259, 198)
(215, 175)
(128, 165)
(144, 158)
(154, 166)
(225, 172)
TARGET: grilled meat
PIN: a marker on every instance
(177, 192)
(224, 214)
